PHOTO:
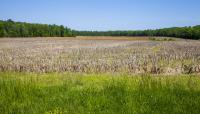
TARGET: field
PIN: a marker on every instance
(131, 75)
(93, 55)
(68, 93)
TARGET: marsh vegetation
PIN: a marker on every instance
(99, 75)
(96, 55)
(69, 93)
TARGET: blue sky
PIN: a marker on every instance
(104, 14)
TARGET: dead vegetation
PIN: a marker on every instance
(99, 56)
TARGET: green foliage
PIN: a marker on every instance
(2, 33)
(178, 32)
(98, 93)
(10, 28)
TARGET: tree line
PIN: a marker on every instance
(10, 28)
(178, 32)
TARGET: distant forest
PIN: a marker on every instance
(178, 32)
(10, 28)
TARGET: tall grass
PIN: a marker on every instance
(100, 56)
(98, 93)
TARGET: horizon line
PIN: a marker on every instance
(98, 30)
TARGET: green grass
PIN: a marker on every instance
(98, 93)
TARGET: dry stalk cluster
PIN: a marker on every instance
(92, 56)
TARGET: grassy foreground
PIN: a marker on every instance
(98, 93)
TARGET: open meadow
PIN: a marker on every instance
(96, 55)
(99, 57)
(112, 75)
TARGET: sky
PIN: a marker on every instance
(104, 15)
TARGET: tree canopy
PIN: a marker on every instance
(10, 28)
(179, 32)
